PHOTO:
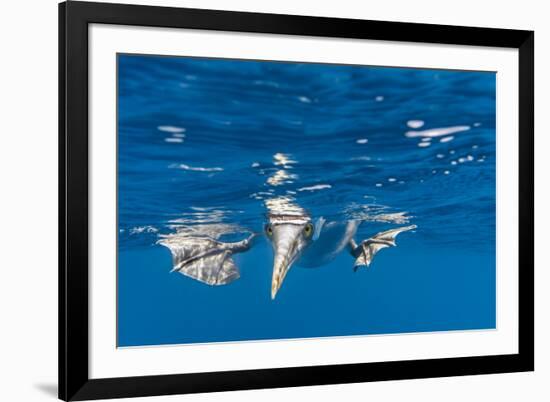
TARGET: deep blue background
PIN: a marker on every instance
(237, 115)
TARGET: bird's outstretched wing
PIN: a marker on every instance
(367, 249)
(205, 259)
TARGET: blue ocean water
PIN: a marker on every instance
(209, 143)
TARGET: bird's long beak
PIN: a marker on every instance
(280, 268)
(287, 247)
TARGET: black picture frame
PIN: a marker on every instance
(74, 381)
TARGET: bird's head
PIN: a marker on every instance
(289, 236)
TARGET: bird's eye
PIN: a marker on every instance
(308, 230)
(269, 230)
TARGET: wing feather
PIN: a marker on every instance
(365, 252)
(203, 259)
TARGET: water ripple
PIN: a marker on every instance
(257, 137)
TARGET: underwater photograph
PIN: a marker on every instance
(270, 200)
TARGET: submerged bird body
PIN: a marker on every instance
(333, 238)
(295, 239)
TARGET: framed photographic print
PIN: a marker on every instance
(256, 201)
